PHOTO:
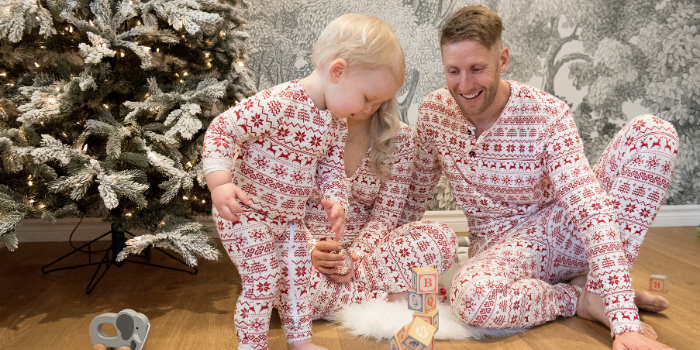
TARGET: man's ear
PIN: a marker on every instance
(503, 59)
(337, 69)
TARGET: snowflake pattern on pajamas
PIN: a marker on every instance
(284, 147)
(534, 204)
(386, 253)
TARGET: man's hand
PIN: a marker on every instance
(326, 262)
(336, 217)
(227, 198)
(636, 341)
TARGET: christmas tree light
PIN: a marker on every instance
(96, 115)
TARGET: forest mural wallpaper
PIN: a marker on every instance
(610, 60)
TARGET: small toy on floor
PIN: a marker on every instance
(132, 330)
(422, 298)
(102, 347)
(658, 283)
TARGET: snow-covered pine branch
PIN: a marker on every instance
(187, 238)
(121, 184)
(182, 13)
(99, 49)
(20, 16)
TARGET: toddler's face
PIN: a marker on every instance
(359, 94)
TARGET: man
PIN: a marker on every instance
(538, 214)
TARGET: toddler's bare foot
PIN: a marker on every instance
(305, 344)
(442, 293)
(579, 280)
(650, 302)
(403, 296)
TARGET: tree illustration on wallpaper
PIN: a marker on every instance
(640, 52)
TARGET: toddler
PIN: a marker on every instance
(290, 139)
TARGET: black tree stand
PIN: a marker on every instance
(118, 244)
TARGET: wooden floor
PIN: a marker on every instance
(52, 311)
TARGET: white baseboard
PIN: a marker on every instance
(677, 215)
(453, 218)
(37, 230)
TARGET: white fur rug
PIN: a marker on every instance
(381, 320)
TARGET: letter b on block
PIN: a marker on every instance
(424, 279)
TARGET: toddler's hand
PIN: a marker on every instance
(226, 200)
(336, 217)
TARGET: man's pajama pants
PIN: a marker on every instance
(517, 282)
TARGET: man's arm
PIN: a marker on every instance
(426, 170)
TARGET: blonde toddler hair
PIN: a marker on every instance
(367, 43)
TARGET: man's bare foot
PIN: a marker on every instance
(642, 298)
(649, 331)
(305, 344)
(403, 296)
(650, 302)
(591, 307)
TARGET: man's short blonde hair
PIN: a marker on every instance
(476, 23)
(364, 42)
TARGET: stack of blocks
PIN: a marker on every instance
(422, 299)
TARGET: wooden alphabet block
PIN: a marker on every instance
(421, 302)
(396, 342)
(420, 335)
(424, 279)
(657, 283)
(432, 317)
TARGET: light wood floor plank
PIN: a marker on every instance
(51, 311)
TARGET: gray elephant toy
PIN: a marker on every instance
(132, 329)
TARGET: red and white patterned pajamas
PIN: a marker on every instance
(386, 253)
(286, 145)
(538, 214)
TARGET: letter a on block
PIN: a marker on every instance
(424, 279)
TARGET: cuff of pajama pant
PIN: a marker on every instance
(568, 309)
(291, 338)
(624, 320)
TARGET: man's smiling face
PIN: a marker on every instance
(473, 73)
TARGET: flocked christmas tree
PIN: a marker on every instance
(104, 103)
